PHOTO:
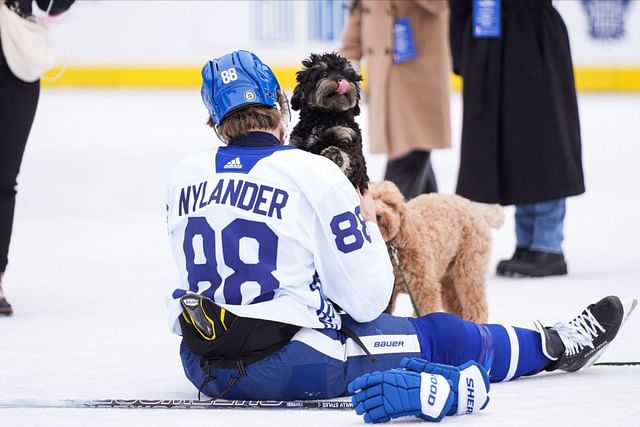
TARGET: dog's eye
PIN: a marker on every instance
(378, 217)
(324, 74)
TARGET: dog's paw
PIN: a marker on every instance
(338, 157)
(296, 141)
(342, 134)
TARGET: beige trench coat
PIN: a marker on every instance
(408, 102)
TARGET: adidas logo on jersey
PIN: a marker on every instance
(233, 164)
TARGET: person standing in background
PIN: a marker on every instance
(520, 130)
(406, 49)
(18, 103)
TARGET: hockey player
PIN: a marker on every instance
(284, 276)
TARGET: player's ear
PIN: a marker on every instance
(282, 134)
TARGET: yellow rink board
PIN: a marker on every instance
(591, 79)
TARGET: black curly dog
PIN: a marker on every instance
(328, 95)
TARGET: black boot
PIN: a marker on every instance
(503, 266)
(580, 342)
(536, 264)
(5, 307)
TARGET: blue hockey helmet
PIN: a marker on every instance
(237, 80)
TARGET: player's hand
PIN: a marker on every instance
(382, 396)
(470, 381)
(367, 206)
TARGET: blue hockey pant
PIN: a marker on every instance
(319, 364)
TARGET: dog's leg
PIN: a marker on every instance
(450, 300)
(340, 136)
(338, 157)
(468, 277)
(424, 287)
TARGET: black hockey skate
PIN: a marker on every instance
(580, 342)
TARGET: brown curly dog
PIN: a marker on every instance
(442, 243)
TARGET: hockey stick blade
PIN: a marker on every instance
(177, 404)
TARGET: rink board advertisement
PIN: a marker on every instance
(163, 43)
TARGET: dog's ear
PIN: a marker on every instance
(296, 99)
(356, 78)
(311, 60)
(393, 196)
(302, 75)
(356, 108)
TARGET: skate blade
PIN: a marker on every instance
(628, 308)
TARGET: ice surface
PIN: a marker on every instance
(90, 265)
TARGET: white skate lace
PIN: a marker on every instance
(579, 332)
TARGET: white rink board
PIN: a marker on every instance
(187, 32)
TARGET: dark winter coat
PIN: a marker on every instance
(520, 132)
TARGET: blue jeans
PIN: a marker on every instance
(539, 226)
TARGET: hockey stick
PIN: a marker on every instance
(177, 404)
(198, 404)
(616, 364)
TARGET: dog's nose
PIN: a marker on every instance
(343, 87)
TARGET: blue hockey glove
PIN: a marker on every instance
(381, 396)
(470, 383)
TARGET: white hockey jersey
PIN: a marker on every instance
(273, 232)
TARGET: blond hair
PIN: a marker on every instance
(239, 123)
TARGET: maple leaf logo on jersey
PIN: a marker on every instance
(233, 164)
